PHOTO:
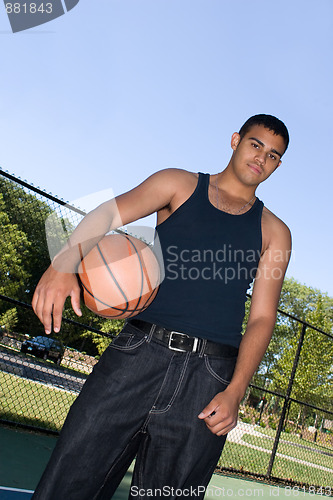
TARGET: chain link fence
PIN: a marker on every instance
(285, 429)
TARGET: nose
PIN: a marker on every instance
(261, 157)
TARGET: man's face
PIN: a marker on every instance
(256, 155)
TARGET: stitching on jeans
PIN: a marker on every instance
(163, 384)
(145, 424)
(114, 464)
(128, 348)
(129, 340)
(215, 375)
(142, 461)
(181, 378)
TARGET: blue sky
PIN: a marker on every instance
(117, 89)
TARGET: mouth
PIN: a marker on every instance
(255, 168)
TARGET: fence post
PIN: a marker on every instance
(286, 402)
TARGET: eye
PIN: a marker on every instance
(273, 157)
(255, 145)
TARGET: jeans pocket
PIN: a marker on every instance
(128, 340)
(221, 369)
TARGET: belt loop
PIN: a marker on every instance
(151, 333)
(203, 347)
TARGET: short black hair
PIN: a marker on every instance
(268, 121)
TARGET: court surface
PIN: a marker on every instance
(23, 456)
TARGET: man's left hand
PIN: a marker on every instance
(220, 415)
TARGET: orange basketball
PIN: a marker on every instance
(119, 276)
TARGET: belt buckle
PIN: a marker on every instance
(195, 343)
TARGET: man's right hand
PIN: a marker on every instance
(50, 295)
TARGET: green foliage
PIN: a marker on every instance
(310, 305)
(9, 319)
(313, 377)
(100, 342)
(14, 252)
(27, 214)
(112, 326)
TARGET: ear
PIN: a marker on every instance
(235, 140)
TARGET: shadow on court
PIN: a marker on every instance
(24, 455)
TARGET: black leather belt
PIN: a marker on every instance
(178, 341)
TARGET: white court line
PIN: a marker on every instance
(15, 489)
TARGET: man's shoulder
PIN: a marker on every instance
(179, 183)
(175, 174)
(276, 234)
(273, 221)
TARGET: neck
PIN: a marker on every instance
(228, 182)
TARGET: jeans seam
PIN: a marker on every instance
(113, 466)
(129, 340)
(141, 486)
(215, 375)
(174, 395)
(162, 385)
(129, 348)
(180, 380)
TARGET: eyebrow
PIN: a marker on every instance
(262, 144)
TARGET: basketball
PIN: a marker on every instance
(120, 276)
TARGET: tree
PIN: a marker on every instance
(313, 378)
(300, 301)
(28, 215)
(23, 248)
(101, 342)
(14, 251)
(8, 320)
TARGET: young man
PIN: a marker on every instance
(168, 388)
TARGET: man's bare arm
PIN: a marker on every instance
(59, 280)
(259, 330)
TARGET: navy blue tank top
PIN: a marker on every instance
(210, 259)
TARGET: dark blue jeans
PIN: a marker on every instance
(142, 399)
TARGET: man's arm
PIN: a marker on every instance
(221, 413)
(59, 280)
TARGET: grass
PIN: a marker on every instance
(291, 451)
(302, 473)
(240, 457)
(295, 438)
(32, 403)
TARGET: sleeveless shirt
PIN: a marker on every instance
(210, 259)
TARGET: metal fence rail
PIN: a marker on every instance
(285, 433)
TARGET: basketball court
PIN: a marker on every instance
(23, 456)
